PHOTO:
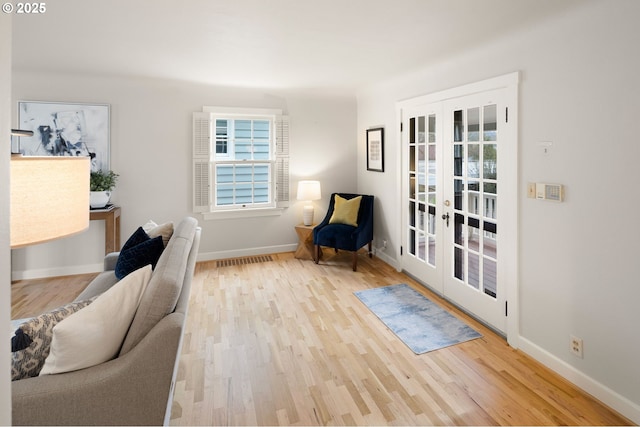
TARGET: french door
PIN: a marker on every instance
(460, 198)
(422, 195)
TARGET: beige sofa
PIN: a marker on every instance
(135, 388)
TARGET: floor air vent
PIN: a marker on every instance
(243, 261)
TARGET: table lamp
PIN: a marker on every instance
(308, 191)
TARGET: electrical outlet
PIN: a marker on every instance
(576, 346)
(384, 244)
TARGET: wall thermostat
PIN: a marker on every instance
(553, 192)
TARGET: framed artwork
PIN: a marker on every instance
(66, 129)
(375, 149)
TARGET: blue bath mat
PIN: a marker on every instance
(420, 323)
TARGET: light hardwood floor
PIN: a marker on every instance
(285, 342)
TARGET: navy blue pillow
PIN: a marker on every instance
(136, 238)
(135, 257)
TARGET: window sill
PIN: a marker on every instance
(242, 213)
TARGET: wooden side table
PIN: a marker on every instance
(111, 218)
(305, 241)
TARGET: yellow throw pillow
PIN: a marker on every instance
(346, 211)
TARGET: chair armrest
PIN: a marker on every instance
(364, 230)
(110, 261)
(131, 390)
(318, 227)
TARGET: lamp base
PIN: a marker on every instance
(307, 215)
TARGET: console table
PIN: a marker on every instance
(111, 217)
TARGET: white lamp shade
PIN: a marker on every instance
(49, 198)
(309, 190)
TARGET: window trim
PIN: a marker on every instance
(243, 213)
(230, 160)
(242, 111)
(204, 158)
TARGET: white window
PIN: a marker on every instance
(241, 160)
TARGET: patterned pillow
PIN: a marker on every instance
(145, 253)
(32, 340)
(139, 250)
(136, 238)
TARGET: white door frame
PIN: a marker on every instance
(509, 192)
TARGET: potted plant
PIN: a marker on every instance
(101, 183)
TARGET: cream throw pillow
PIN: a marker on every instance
(95, 334)
(346, 211)
(154, 230)
(27, 360)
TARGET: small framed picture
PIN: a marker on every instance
(66, 129)
(375, 150)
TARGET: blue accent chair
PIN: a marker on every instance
(342, 236)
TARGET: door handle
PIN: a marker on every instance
(446, 216)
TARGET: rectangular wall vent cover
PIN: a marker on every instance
(243, 261)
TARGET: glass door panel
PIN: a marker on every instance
(475, 196)
(472, 143)
(422, 144)
(422, 179)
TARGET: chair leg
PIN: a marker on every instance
(355, 260)
(370, 249)
(317, 254)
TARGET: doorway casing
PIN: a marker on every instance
(509, 193)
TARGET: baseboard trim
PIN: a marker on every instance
(202, 256)
(56, 271)
(237, 253)
(379, 253)
(96, 268)
(598, 390)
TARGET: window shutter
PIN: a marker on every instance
(282, 161)
(201, 157)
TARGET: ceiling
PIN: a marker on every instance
(322, 45)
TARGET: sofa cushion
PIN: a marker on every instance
(338, 236)
(135, 257)
(95, 335)
(32, 340)
(165, 286)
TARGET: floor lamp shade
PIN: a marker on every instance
(308, 190)
(49, 198)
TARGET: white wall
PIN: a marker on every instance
(151, 150)
(579, 89)
(5, 275)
